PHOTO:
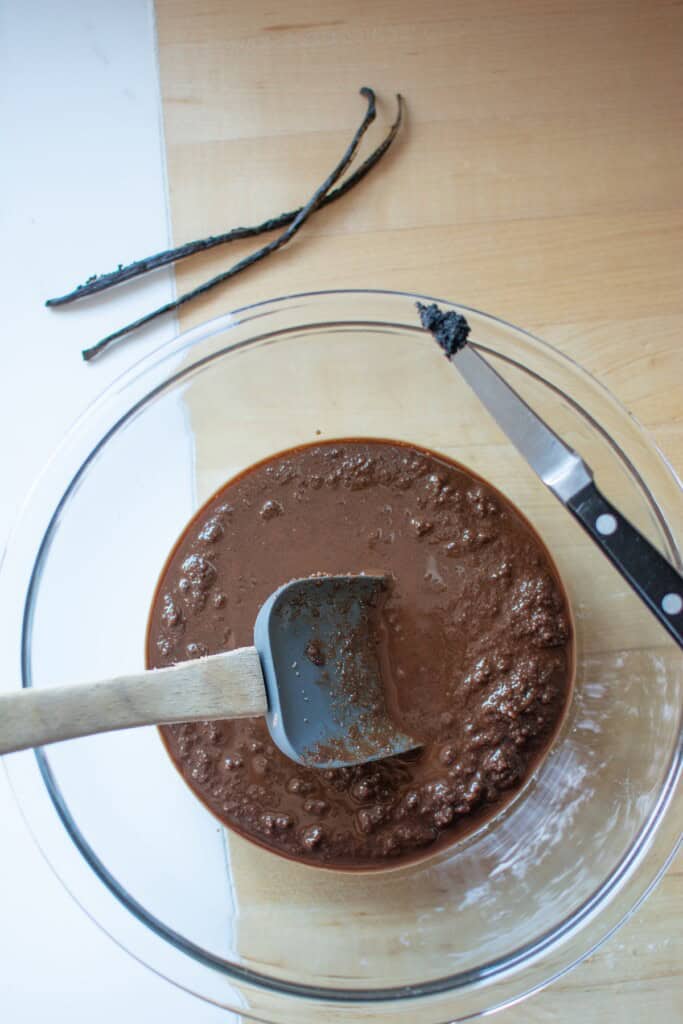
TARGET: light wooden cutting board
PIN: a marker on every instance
(539, 177)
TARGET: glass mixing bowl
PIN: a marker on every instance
(479, 925)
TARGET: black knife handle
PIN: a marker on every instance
(654, 580)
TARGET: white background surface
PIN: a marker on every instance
(81, 189)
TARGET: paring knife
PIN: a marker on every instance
(565, 473)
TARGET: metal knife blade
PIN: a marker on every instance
(655, 580)
(559, 466)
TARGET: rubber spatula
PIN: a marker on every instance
(313, 672)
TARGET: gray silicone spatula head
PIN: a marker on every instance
(318, 640)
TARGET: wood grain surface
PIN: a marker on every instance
(538, 177)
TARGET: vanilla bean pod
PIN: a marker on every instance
(102, 282)
(306, 211)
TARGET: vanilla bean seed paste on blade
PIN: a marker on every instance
(475, 628)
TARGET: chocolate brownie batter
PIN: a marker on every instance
(477, 632)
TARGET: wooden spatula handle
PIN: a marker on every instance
(221, 686)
